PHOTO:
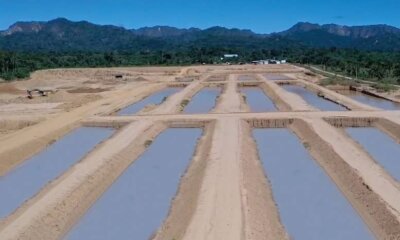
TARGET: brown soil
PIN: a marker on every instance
(224, 193)
(88, 90)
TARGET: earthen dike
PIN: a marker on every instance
(224, 193)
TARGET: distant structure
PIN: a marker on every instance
(268, 61)
(231, 55)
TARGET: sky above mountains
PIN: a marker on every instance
(261, 16)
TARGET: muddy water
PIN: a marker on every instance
(313, 99)
(371, 100)
(155, 99)
(310, 205)
(257, 100)
(274, 76)
(203, 101)
(380, 146)
(137, 203)
(27, 179)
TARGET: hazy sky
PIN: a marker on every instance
(262, 16)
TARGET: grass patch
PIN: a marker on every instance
(384, 87)
(334, 80)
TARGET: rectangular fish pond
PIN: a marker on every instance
(276, 77)
(154, 99)
(135, 206)
(246, 78)
(257, 100)
(313, 99)
(31, 176)
(384, 149)
(309, 203)
(371, 100)
(204, 101)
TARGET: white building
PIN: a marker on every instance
(231, 55)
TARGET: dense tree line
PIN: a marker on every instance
(375, 66)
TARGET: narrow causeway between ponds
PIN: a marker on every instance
(309, 203)
(204, 101)
(380, 146)
(313, 99)
(26, 180)
(371, 100)
(156, 99)
(257, 100)
(135, 206)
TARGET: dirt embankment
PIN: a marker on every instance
(230, 100)
(261, 214)
(386, 125)
(219, 212)
(186, 200)
(284, 100)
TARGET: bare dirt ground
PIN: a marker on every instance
(224, 193)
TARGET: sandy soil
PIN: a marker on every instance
(219, 212)
(224, 193)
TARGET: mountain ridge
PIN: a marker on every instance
(61, 34)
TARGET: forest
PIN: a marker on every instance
(374, 66)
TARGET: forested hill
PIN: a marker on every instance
(369, 52)
(62, 35)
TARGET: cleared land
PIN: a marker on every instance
(225, 192)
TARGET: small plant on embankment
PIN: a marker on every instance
(184, 103)
(148, 143)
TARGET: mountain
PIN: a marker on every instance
(63, 35)
(163, 31)
(370, 37)
(365, 32)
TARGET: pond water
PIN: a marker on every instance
(154, 99)
(371, 100)
(204, 101)
(309, 203)
(27, 179)
(257, 100)
(380, 146)
(135, 206)
(246, 78)
(313, 99)
(274, 76)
